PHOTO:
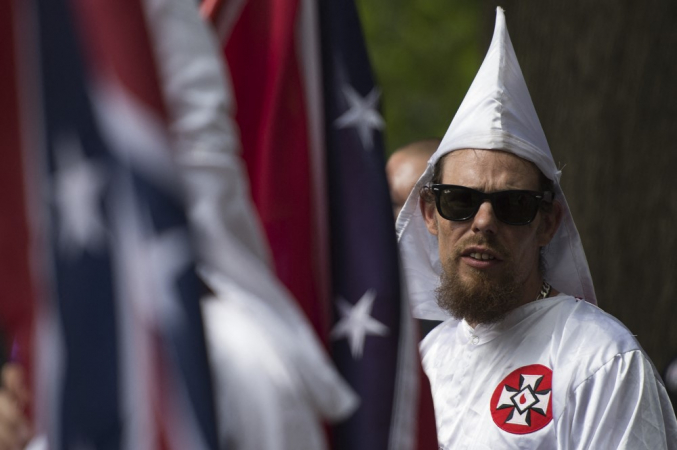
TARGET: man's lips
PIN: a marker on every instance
(480, 257)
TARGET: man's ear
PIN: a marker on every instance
(550, 223)
(429, 215)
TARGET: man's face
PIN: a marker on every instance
(403, 170)
(490, 267)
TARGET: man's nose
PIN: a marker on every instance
(485, 220)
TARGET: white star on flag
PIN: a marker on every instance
(78, 183)
(170, 257)
(356, 322)
(153, 261)
(361, 114)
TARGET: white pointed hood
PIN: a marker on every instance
(496, 113)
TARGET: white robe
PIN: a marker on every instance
(602, 392)
(274, 384)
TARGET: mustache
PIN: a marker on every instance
(489, 242)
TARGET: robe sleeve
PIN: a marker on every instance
(623, 405)
(197, 88)
(274, 383)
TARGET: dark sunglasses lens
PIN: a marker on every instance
(457, 203)
(515, 207)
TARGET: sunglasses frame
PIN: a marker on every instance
(546, 196)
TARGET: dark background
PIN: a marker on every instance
(603, 79)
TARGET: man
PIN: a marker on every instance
(523, 361)
(404, 168)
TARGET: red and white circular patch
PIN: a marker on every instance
(521, 403)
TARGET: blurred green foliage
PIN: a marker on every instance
(424, 55)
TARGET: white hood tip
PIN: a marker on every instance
(496, 114)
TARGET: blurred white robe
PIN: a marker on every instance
(273, 382)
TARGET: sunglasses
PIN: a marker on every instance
(459, 203)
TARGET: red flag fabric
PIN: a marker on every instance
(272, 114)
(17, 304)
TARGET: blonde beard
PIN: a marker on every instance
(483, 299)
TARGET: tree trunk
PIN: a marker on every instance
(603, 78)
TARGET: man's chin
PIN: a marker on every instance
(477, 282)
(478, 297)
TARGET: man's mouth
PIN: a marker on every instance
(481, 256)
(482, 253)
